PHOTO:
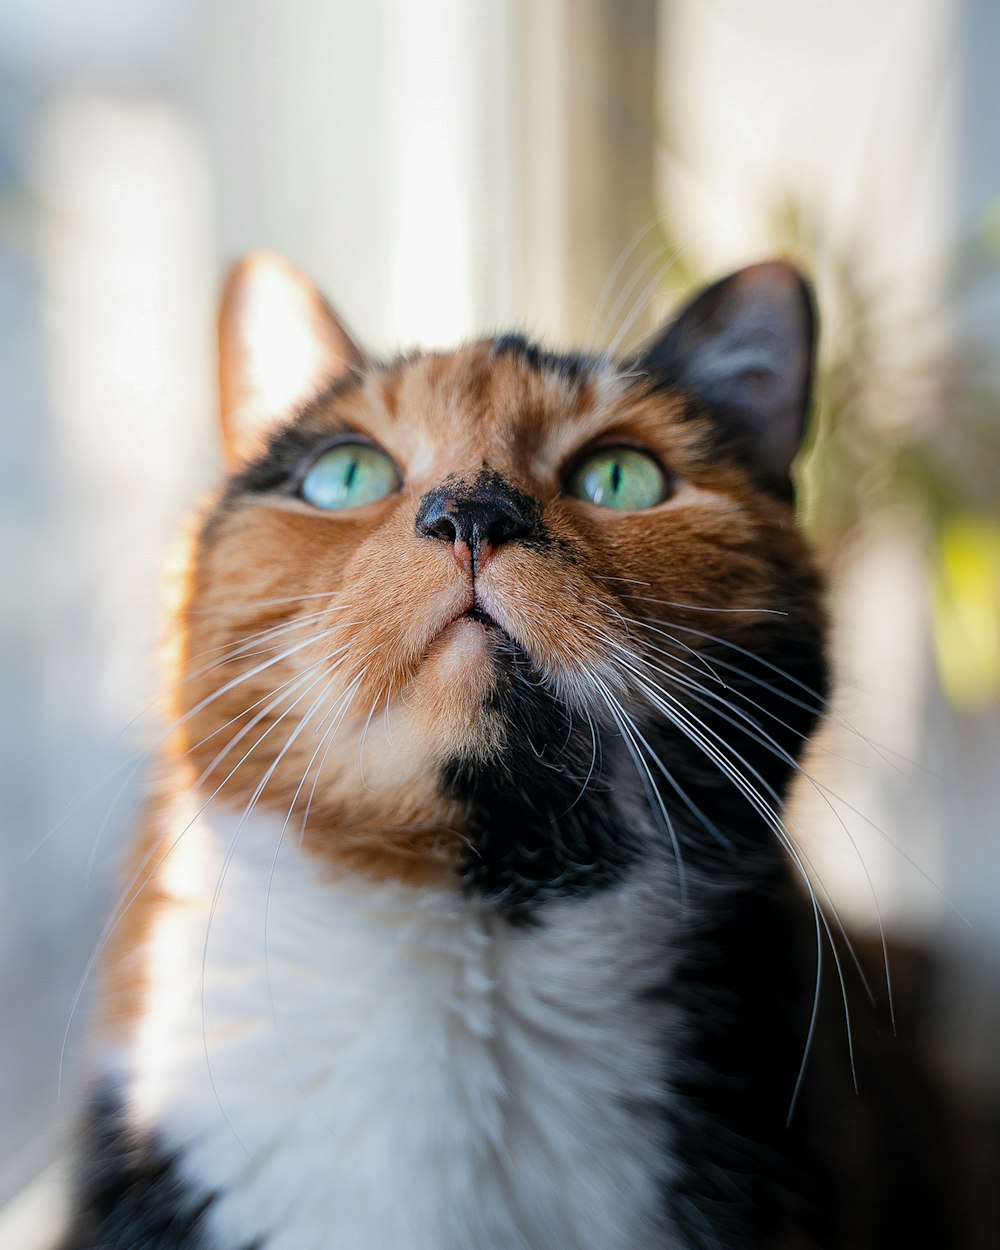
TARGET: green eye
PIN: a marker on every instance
(348, 476)
(619, 477)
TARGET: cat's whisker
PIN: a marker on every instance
(821, 705)
(608, 285)
(360, 754)
(683, 718)
(386, 725)
(288, 688)
(283, 655)
(722, 699)
(710, 698)
(689, 803)
(360, 660)
(250, 707)
(753, 730)
(829, 796)
(628, 622)
(138, 760)
(285, 624)
(677, 715)
(593, 761)
(326, 742)
(250, 650)
(730, 667)
(706, 695)
(281, 626)
(639, 307)
(696, 730)
(631, 659)
(623, 722)
(328, 737)
(703, 607)
(127, 898)
(761, 738)
(244, 604)
(824, 705)
(638, 275)
(810, 1038)
(633, 581)
(142, 760)
(702, 735)
(651, 274)
(230, 854)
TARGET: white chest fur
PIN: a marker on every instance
(369, 1066)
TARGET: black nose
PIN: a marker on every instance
(481, 514)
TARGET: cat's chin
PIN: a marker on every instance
(471, 638)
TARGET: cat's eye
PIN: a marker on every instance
(619, 477)
(349, 476)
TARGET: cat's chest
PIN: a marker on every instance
(360, 1064)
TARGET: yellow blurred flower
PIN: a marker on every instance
(966, 611)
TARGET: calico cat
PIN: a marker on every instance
(467, 915)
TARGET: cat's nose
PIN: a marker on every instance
(476, 517)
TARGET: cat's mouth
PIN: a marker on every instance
(486, 623)
(478, 614)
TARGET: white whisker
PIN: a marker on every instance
(131, 892)
(639, 307)
(227, 860)
(623, 256)
(345, 701)
(649, 785)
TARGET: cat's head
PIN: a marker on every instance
(502, 610)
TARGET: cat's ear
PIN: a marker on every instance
(279, 345)
(743, 348)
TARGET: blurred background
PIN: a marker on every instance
(450, 167)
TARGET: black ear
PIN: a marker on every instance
(743, 349)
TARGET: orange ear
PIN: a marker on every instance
(279, 345)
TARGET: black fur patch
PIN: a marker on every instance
(572, 367)
(543, 817)
(130, 1195)
(743, 989)
(270, 471)
(745, 981)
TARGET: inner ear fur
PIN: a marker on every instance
(744, 350)
(280, 344)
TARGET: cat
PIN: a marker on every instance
(467, 914)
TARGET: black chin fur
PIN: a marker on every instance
(543, 816)
(557, 812)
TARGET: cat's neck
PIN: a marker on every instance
(318, 1024)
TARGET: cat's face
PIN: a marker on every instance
(481, 580)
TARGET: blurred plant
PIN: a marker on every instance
(939, 464)
(912, 432)
(966, 609)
